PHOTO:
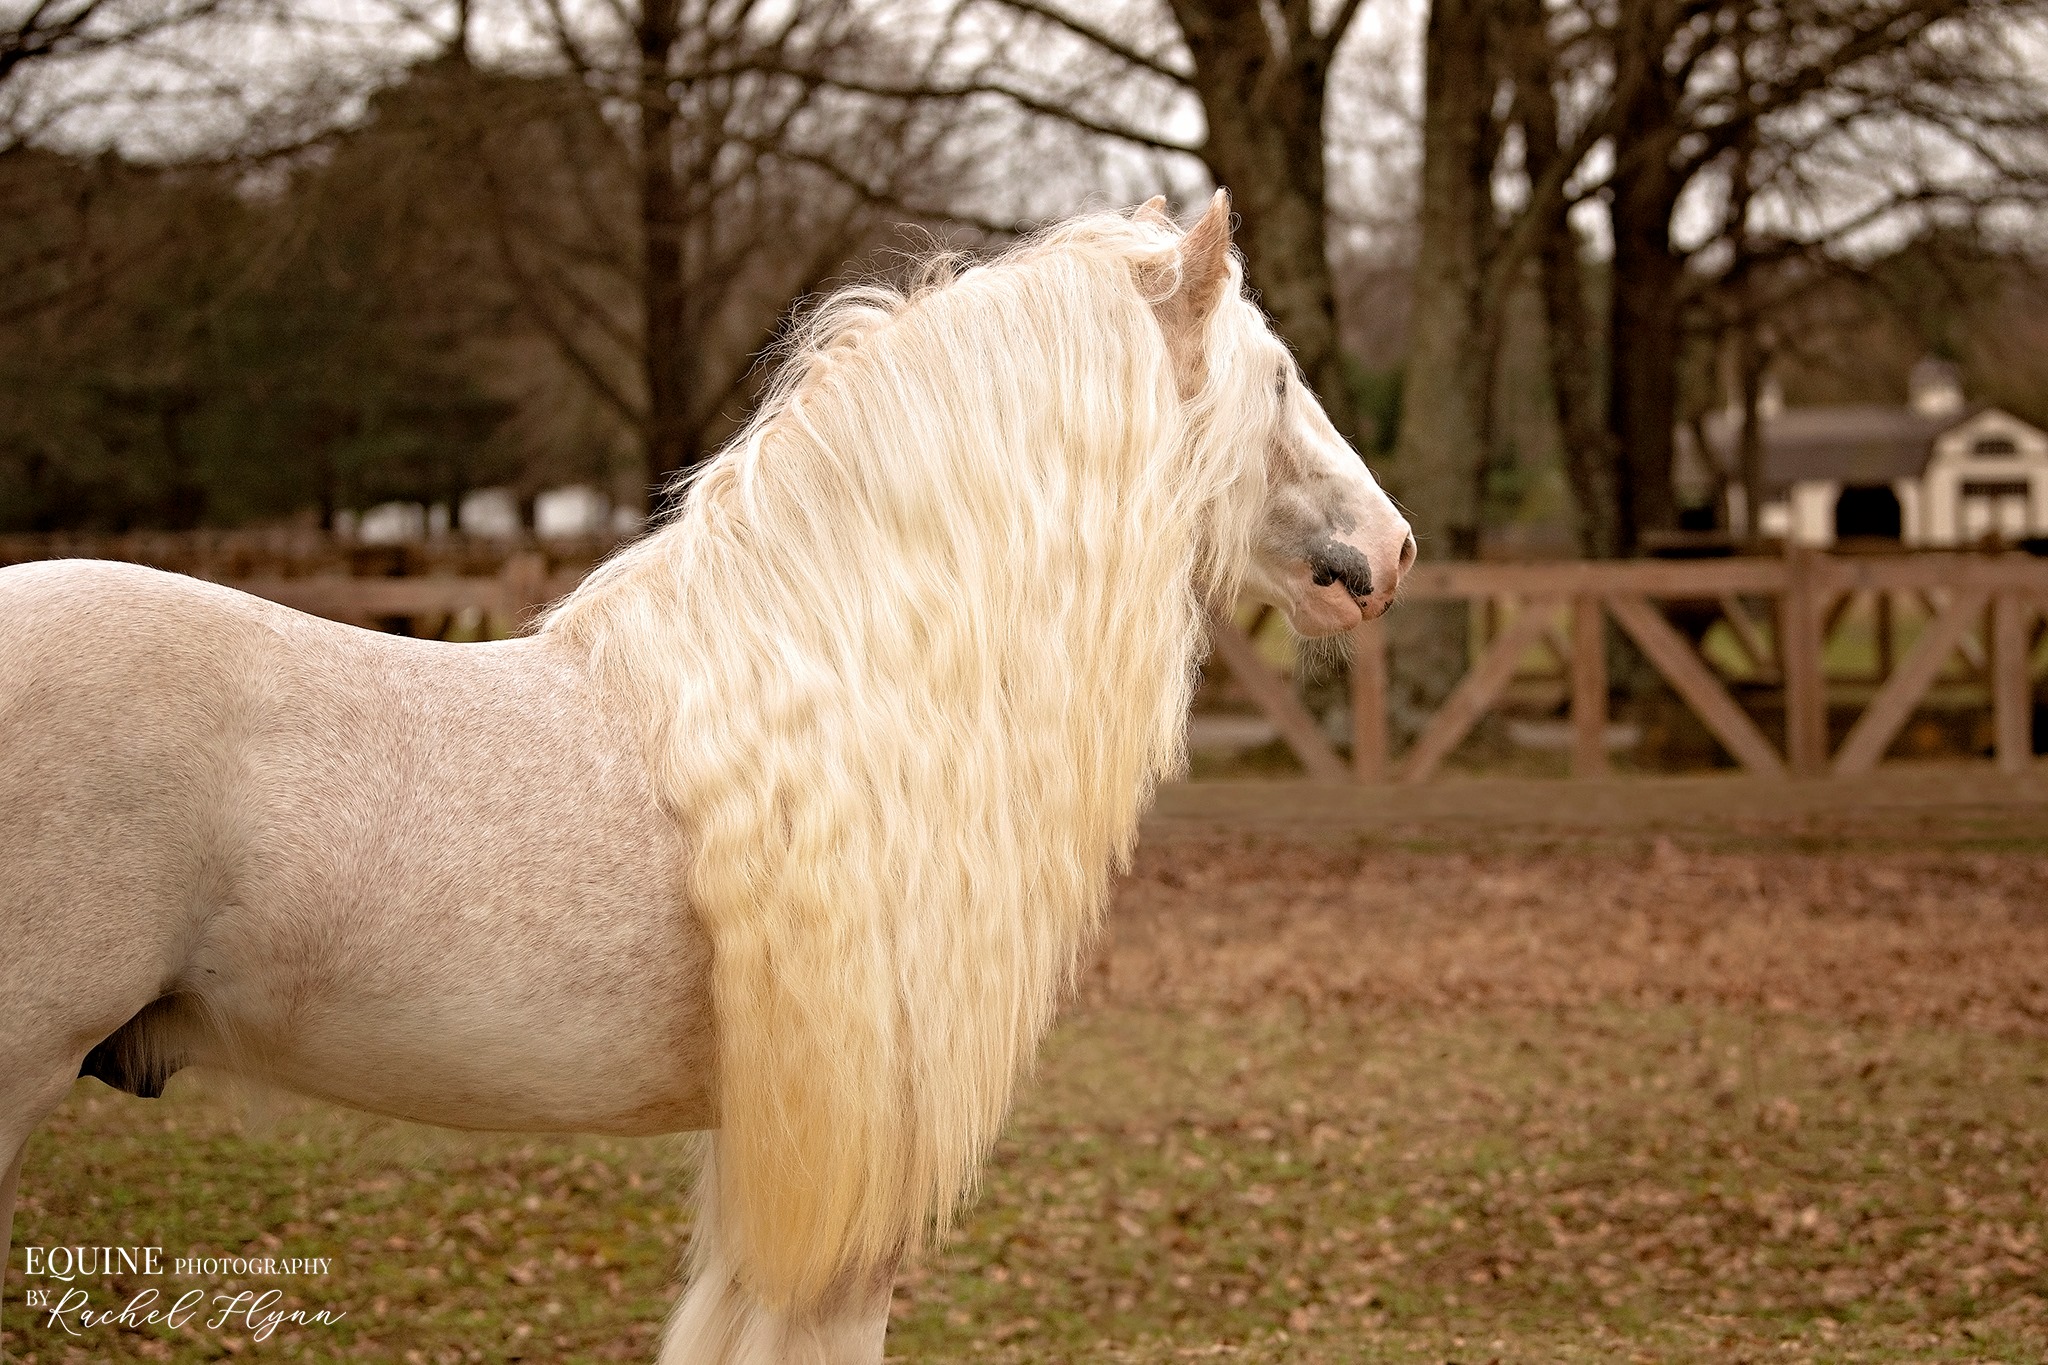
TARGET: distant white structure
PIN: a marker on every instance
(578, 510)
(490, 512)
(392, 523)
(1934, 472)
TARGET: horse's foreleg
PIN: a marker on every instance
(8, 1182)
(25, 1101)
(719, 1321)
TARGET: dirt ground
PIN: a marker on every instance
(1899, 937)
(1669, 1073)
(1695, 1070)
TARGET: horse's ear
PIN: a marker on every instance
(1201, 275)
(1205, 258)
(1153, 210)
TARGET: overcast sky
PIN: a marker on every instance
(286, 64)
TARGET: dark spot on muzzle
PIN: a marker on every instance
(1335, 562)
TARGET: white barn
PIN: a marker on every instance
(1935, 472)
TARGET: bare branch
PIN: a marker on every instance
(1030, 103)
(1102, 38)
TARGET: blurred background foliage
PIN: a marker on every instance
(269, 262)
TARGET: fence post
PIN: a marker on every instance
(1275, 696)
(1589, 687)
(1800, 642)
(525, 580)
(1886, 609)
(1369, 702)
(2012, 699)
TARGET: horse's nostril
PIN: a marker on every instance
(1407, 552)
(1337, 562)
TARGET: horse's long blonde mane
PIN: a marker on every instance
(912, 658)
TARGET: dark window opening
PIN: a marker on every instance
(1995, 445)
(1868, 512)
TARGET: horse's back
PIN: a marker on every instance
(348, 845)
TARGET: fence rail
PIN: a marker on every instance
(521, 588)
(417, 587)
(1987, 608)
(1778, 615)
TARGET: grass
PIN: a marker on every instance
(1313, 1104)
(1593, 1184)
(445, 1246)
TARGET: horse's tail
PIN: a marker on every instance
(719, 1321)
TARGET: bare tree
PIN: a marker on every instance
(96, 72)
(64, 240)
(743, 179)
(1258, 71)
(1716, 139)
(1789, 129)
(1262, 72)
(1455, 317)
(41, 30)
(1473, 250)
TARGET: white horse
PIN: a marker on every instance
(788, 824)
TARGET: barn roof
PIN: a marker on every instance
(1847, 442)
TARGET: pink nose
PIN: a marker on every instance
(1380, 588)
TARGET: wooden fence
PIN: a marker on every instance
(1988, 608)
(417, 587)
(423, 605)
(1779, 615)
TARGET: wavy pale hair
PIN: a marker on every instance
(911, 659)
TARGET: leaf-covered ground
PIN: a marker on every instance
(1314, 1102)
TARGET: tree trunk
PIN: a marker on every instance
(184, 504)
(1574, 357)
(667, 436)
(1571, 342)
(1444, 425)
(1642, 398)
(1643, 325)
(1440, 456)
(1263, 99)
(1752, 364)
